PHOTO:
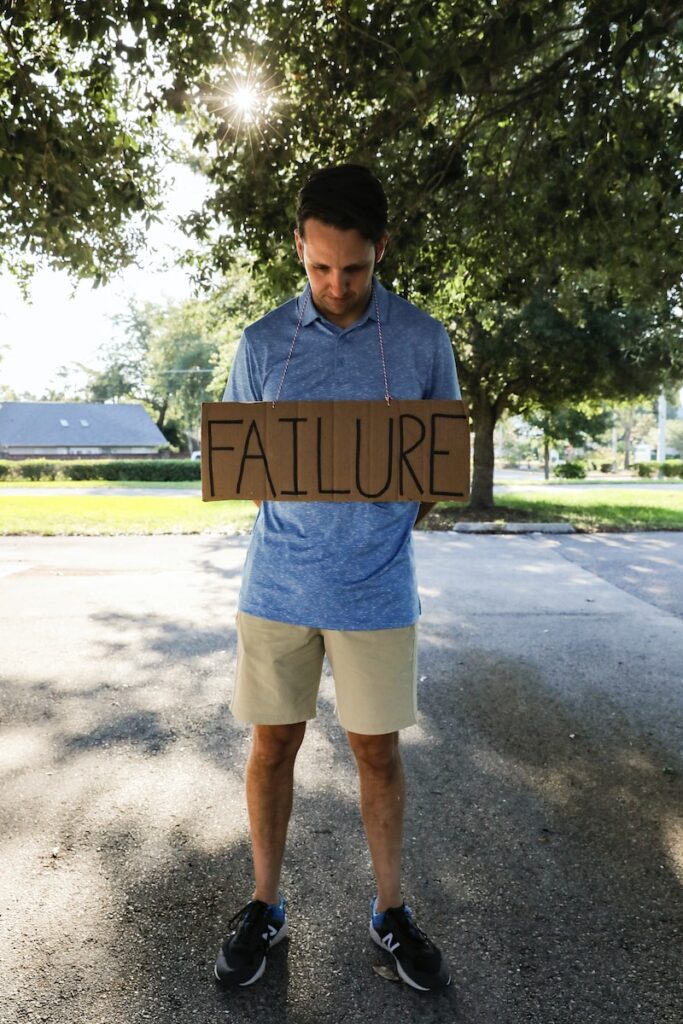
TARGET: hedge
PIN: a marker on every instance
(671, 469)
(101, 469)
(570, 470)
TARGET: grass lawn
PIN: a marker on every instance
(112, 514)
(598, 509)
(595, 509)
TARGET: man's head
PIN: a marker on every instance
(340, 236)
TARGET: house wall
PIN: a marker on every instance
(65, 452)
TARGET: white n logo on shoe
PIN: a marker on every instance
(387, 941)
(270, 933)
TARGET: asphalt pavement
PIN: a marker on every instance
(544, 835)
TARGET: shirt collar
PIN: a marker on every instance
(380, 293)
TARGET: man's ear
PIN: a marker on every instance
(381, 247)
(298, 242)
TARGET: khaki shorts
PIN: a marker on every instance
(279, 668)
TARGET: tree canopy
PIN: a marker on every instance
(531, 153)
(519, 139)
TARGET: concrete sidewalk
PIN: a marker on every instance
(544, 838)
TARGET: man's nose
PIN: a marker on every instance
(338, 283)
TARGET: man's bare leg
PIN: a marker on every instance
(382, 802)
(270, 786)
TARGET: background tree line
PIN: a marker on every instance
(531, 152)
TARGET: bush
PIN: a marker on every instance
(133, 469)
(646, 469)
(672, 468)
(571, 471)
(605, 467)
(164, 470)
(38, 469)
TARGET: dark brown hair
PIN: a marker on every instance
(346, 196)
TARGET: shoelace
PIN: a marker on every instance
(248, 925)
(406, 920)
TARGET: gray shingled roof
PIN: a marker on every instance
(89, 424)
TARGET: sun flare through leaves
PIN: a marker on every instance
(244, 102)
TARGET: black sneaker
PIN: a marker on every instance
(254, 929)
(418, 961)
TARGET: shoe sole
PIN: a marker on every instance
(284, 931)
(399, 968)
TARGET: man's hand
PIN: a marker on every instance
(424, 509)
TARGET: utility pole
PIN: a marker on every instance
(661, 422)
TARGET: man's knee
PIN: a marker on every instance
(274, 745)
(376, 754)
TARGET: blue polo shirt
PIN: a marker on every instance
(338, 565)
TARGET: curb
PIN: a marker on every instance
(513, 528)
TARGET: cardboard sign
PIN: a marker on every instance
(336, 451)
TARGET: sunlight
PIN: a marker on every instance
(245, 99)
(245, 102)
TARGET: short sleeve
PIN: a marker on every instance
(444, 382)
(243, 384)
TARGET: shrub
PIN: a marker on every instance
(6, 467)
(672, 467)
(605, 467)
(133, 469)
(646, 469)
(571, 471)
(38, 469)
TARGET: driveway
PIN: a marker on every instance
(544, 837)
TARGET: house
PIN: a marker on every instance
(64, 430)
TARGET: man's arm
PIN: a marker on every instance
(444, 384)
(424, 509)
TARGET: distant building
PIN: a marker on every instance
(61, 430)
(643, 452)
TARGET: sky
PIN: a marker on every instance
(58, 328)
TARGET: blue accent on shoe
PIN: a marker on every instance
(377, 918)
(277, 910)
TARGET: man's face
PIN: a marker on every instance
(339, 266)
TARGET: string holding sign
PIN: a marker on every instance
(304, 304)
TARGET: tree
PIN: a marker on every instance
(634, 422)
(532, 153)
(575, 427)
(86, 90)
(455, 102)
(165, 361)
(540, 356)
(532, 156)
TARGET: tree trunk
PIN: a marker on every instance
(627, 446)
(546, 457)
(162, 415)
(484, 416)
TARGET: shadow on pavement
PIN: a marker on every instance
(543, 847)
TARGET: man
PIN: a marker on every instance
(333, 578)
